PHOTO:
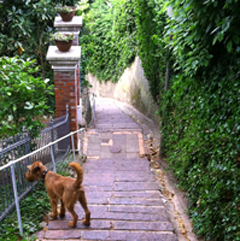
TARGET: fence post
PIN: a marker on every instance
(73, 148)
(67, 113)
(27, 144)
(52, 146)
(16, 199)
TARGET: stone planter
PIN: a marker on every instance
(67, 17)
(63, 46)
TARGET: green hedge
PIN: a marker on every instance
(111, 45)
(202, 113)
(202, 122)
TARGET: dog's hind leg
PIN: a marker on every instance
(54, 213)
(83, 202)
(62, 209)
(74, 215)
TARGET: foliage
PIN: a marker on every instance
(23, 96)
(151, 45)
(64, 9)
(25, 28)
(58, 36)
(111, 46)
(83, 8)
(62, 167)
(202, 121)
(33, 208)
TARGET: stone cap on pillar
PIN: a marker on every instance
(73, 26)
(61, 61)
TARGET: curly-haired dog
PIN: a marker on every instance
(67, 189)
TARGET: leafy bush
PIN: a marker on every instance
(202, 115)
(111, 46)
(33, 208)
(23, 97)
(25, 28)
(151, 45)
(201, 134)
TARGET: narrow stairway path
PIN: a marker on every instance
(122, 193)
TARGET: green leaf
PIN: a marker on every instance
(229, 46)
(220, 36)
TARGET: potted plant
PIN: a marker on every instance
(66, 12)
(63, 41)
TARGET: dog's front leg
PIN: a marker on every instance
(54, 213)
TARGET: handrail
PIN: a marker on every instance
(34, 152)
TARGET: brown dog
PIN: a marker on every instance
(67, 189)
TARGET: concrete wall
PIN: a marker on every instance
(132, 88)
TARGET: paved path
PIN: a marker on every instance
(121, 191)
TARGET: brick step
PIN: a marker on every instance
(135, 201)
(161, 216)
(113, 225)
(135, 186)
(116, 165)
(109, 235)
(133, 176)
(155, 194)
(118, 126)
(120, 208)
(104, 176)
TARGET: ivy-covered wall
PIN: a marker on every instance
(201, 123)
(132, 88)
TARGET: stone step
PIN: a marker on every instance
(148, 226)
(110, 235)
(113, 225)
(134, 176)
(117, 165)
(162, 217)
(135, 201)
(155, 194)
(135, 186)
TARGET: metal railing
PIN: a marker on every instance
(11, 149)
(14, 164)
(93, 108)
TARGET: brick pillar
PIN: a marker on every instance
(74, 27)
(66, 83)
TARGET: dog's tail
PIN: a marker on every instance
(79, 171)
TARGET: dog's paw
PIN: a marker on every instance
(85, 222)
(53, 216)
(71, 225)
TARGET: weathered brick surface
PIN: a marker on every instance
(135, 186)
(129, 236)
(135, 201)
(138, 194)
(133, 176)
(154, 226)
(63, 234)
(132, 166)
(95, 224)
(137, 209)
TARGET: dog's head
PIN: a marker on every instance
(35, 171)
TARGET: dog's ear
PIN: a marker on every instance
(36, 169)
